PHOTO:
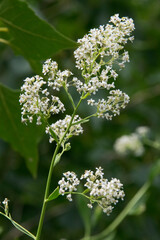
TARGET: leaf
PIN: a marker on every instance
(30, 35)
(58, 158)
(53, 135)
(23, 139)
(54, 194)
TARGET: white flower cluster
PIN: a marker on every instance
(99, 50)
(60, 127)
(56, 78)
(129, 144)
(96, 56)
(143, 131)
(69, 184)
(37, 100)
(98, 189)
(105, 193)
(112, 106)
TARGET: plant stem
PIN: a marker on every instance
(40, 225)
(46, 194)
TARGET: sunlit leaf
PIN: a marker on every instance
(30, 35)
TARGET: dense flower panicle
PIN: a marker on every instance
(105, 193)
(36, 100)
(112, 106)
(56, 78)
(61, 126)
(129, 144)
(98, 189)
(99, 51)
(69, 184)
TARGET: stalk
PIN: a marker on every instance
(40, 225)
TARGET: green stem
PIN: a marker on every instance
(122, 215)
(153, 144)
(40, 225)
(46, 194)
(70, 97)
(18, 226)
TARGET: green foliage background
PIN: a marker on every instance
(32, 38)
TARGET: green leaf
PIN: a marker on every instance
(30, 35)
(54, 194)
(53, 135)
(23, 139)
(57, 159)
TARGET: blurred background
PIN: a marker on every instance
(140, 80)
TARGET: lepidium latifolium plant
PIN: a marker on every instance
(99, 57)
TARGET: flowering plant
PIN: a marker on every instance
(99, 56)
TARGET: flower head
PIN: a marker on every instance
(105, 193)
(37, 100)
(97, 189)
(99, 51)
(68, 184)
(129, 144)
(60, 127)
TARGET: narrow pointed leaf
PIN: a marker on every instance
(54, 194)
(58, 158)
(53, 135)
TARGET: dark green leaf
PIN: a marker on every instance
(54, 194)
(30, 35)
(23, 139)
